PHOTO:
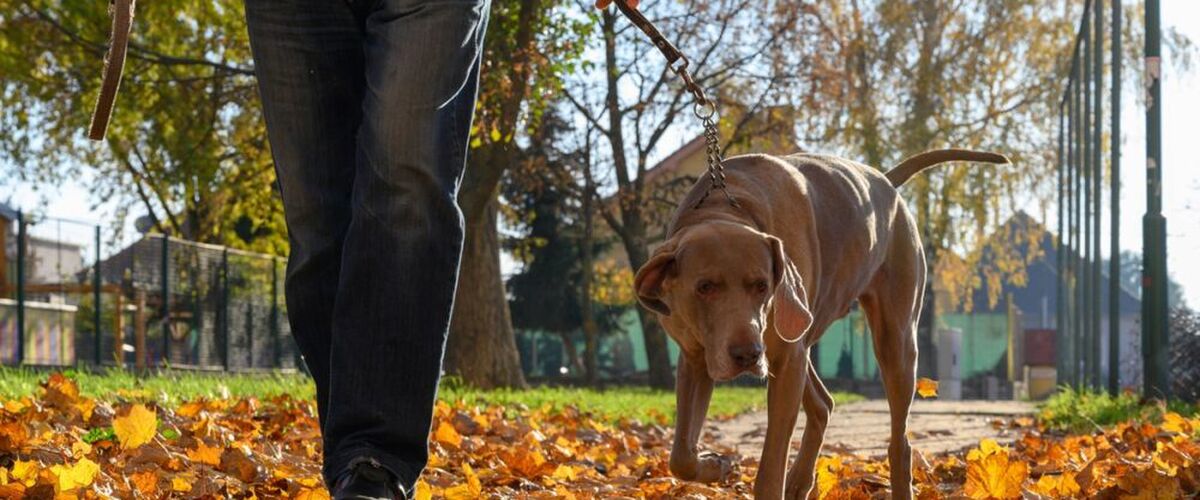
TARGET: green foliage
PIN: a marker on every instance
(616, 403)
(171, 388)
(187, 144)
(1081, 411)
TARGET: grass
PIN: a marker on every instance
(1083, 410)
(165, 387)
(651, 405)
(170, 388)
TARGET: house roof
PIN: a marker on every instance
(1041, 287)
(668, 166)
(7, 212)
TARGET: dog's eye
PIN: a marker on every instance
(760, 286)
(706, 288)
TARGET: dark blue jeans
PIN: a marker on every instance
(368, 105)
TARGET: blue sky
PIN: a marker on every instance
(1181, 174)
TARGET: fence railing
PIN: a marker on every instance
(158, 302)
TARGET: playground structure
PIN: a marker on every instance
(159, 302)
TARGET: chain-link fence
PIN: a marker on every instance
(158, 302)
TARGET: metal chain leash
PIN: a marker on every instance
(704, 109)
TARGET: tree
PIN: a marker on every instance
(632, 99)
(530, 45)
(187, 145)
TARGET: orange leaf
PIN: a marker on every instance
(136, 427)
(145, 483)
(447, 435)
(927, 388)
(205, 454)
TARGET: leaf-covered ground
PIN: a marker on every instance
(59, 444)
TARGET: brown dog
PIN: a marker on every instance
(810, 234)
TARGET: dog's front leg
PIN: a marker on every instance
(784, 392)
(693, 390)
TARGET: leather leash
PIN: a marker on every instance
(704, 109)
(114, 64)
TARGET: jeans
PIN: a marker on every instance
(368, 105)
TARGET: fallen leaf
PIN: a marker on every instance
(926, 387)
(136, 427)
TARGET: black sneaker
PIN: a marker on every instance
(367, 480)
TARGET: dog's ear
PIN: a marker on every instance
(649, 280)
(792, 316)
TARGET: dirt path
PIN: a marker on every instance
(862, 428)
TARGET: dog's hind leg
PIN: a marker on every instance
(818, 404)
(891, 310)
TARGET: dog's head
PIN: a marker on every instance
(718, 286)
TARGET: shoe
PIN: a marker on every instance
(367, 480)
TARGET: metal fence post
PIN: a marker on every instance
(250, 334)
(225, 308)
(274, 319)
(1114, 263)
(1059, 254)
(166, 299)
(1097, 174)
(21, 243)
(96, 301)
(1155, 343)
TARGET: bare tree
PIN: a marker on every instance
(633, 100)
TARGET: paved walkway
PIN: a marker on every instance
(862, 428)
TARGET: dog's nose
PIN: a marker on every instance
(745, 355)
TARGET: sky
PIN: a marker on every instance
(1181, 169)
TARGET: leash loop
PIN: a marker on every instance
(704, 109)
(114, 64)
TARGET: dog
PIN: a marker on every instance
(749, 286)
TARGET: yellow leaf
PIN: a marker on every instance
(181, 484)
(423, 491)
(992, 475)
(205, 454)
(471, 490)
(1174, 422)
(135, 428)
(76, 476)
(565, 472)
(25, 472)
(447, 435)
(828, 469)
(926, 387)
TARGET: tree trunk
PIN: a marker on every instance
(482, 348)
(653, 337)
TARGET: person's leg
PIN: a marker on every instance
(308, 58)
(401, 253)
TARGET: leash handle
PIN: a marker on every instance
(114, 64)
(704, 109)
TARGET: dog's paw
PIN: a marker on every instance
(712, 467)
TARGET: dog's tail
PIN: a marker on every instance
(914, 164)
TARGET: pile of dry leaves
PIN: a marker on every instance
(62, 445)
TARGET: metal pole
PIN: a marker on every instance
(1074, 229)
(1059, 254)
(225, 308)
(21, 287)
(1086, 244)
(166, 300)
(1069, 258)
(1097, 175)
(1077, 266)
(1155, 343)
(274, 325)
(1114, 262)
(96, 302)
